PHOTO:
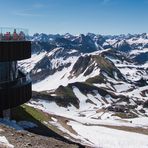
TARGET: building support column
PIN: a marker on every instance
(7, 114)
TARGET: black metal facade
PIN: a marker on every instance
(14, 50)
(15, 86)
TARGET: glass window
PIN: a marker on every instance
(13, 34)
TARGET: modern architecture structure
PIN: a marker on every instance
(15, 85)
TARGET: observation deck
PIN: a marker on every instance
(15, 85)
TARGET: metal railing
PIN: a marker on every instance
(22, 79)
(13, 34)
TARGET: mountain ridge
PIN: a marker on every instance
(91, 80)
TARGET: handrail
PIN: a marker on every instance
(13, 34)
(20, 80)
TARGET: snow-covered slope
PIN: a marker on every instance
(92, 80)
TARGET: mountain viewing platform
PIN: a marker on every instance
(15, 84)
(13, 44)
(13, 34)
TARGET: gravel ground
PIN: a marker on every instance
(25, 139)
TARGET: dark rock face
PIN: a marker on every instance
(101, 41)
(145, 46)
(64, 97)
(43, 64)
(85, 44)
(142, 82)
(38, 46)
(145, 104)
(141, 58)
(45, 69)
(65, 43)
(86, 88)
(117, 108)
(114, 54)
(124, 47)
(81, 65)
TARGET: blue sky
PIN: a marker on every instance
(76, 16)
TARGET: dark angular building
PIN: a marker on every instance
(15, 85)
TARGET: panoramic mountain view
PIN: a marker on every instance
(87, 62)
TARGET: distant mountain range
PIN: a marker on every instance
(90, 76)
(91, 42)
